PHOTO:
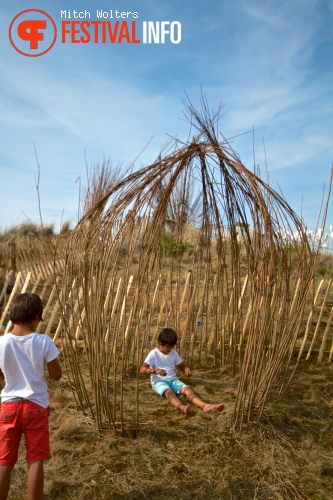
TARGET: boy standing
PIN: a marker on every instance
(25, 406)
(161, 363)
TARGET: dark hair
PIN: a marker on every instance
(25, 308)
(167, 336)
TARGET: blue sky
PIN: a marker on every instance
(270, 63)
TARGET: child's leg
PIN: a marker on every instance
(35, 480)
(174, 401)
(196, 401)
(5, 472)
(36, 430)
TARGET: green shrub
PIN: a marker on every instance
(322, 271)
(170, 247)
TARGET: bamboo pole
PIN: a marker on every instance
(331, 353)
(54, 313)
(327, 329)
(155, 294)
(35, 285)
(209, 340)
(4, 290)
(113, 311)
(23, 290)
(53, 295)
(181, 305)
(318, 325)
(11, 296)
(305, 338)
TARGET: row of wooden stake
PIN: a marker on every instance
(319, 314)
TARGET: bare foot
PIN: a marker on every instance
(184, 409)
(213, 408)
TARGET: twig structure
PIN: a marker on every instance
(192, 241)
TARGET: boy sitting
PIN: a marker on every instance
(25, 406)
(161, 363)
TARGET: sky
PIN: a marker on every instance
(270, 63)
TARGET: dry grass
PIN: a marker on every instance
(26, 230)
(289, 455)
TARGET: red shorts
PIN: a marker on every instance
(30, 419)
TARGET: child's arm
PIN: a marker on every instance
(54, 369)
(184, 369)
(2, 377)
(146, 370)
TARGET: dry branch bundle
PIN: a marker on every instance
(193, 241)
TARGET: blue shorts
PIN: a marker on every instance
(174, 384)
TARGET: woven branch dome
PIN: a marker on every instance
(193, 241)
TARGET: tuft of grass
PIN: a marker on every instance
(66, 227)
(26, 230)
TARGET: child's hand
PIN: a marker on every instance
(161, 372)
(187, 371)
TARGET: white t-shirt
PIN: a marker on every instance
(167, 362)
(23, 362)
